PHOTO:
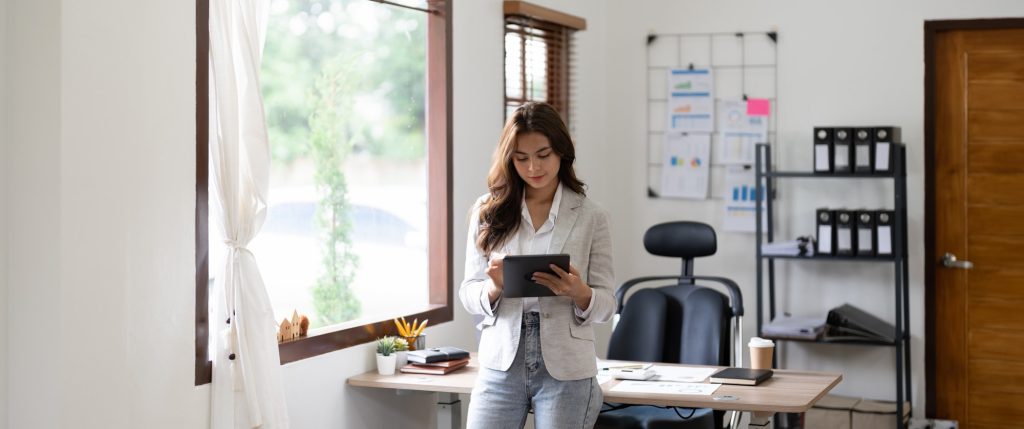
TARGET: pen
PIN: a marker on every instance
(637, 366)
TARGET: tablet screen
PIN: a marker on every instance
(518, 274)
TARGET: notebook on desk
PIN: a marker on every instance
(415, 368)
(743, 376)
(437, 354)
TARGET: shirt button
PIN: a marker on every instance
(547, 315)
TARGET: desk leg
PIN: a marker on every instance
(761, 420)
(449, 411)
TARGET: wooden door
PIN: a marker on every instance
(977, 130)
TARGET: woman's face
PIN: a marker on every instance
(536, 162)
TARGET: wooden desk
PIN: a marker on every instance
(786, 391)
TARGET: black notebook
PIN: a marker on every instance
(437, 354)
(744, 376)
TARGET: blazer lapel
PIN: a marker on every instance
(567, 214)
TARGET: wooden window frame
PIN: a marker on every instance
(561, 26)
(439, 202)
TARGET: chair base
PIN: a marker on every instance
(647, 417)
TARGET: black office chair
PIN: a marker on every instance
(676, 323)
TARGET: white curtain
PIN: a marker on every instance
(247, 387)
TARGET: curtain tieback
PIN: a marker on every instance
(234, 245)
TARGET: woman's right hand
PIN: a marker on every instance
(496, 270)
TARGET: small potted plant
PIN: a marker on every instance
(386, 358)
(401, 348)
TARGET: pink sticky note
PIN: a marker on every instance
(759, 107)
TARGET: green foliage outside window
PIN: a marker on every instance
(342, 77)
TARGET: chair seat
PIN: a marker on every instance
(646, 417)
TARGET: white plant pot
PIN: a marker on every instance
(386, 364)
(401, 359)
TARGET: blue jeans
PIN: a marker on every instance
(502, 399)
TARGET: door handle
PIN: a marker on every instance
(949, 261)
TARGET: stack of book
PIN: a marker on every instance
(439, 361)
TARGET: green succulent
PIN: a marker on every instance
(386, 345)
(401, 344)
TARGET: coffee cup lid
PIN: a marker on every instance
(761, 342)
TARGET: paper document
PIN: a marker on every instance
(682, 374)
(685, 171)
(666, 388)
(739, 132)
(741, 200)
(691, 104)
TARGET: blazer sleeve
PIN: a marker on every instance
(473, 291)
(599, 273)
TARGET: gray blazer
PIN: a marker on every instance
(567, 341)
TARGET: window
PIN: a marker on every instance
(357, 95)
(538, 56)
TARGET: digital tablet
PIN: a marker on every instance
(518, 274)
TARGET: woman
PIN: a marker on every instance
(537, 353)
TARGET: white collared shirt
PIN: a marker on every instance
(528, 241)
(537, 241)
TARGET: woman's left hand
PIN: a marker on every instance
(566, 284)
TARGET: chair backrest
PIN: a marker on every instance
(680, 322)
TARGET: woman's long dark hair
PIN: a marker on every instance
(500, 214)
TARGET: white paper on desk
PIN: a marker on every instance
(682, 374)
(685, 170)
(669, 388)
(738, 132)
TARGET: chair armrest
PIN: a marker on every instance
(620, 293)
(735, 296)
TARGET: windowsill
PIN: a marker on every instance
(352, 333)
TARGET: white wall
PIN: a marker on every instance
(320, 397)
(3, 214)
(100, 141)
(34, 318)
(819, 83)
(102, 138)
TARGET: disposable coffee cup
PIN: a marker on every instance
(761, 353)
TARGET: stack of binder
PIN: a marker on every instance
(849, 323)
(855, 150)
(862, 233)
(800, 328)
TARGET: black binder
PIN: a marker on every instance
(842, 146)
(851, 323)
(865, 233)
(822, 150)
(846, 240)
(884, 231)
(883, 139)
(863, 150)
(826, 232)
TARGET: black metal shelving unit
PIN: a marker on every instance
(765, 177)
